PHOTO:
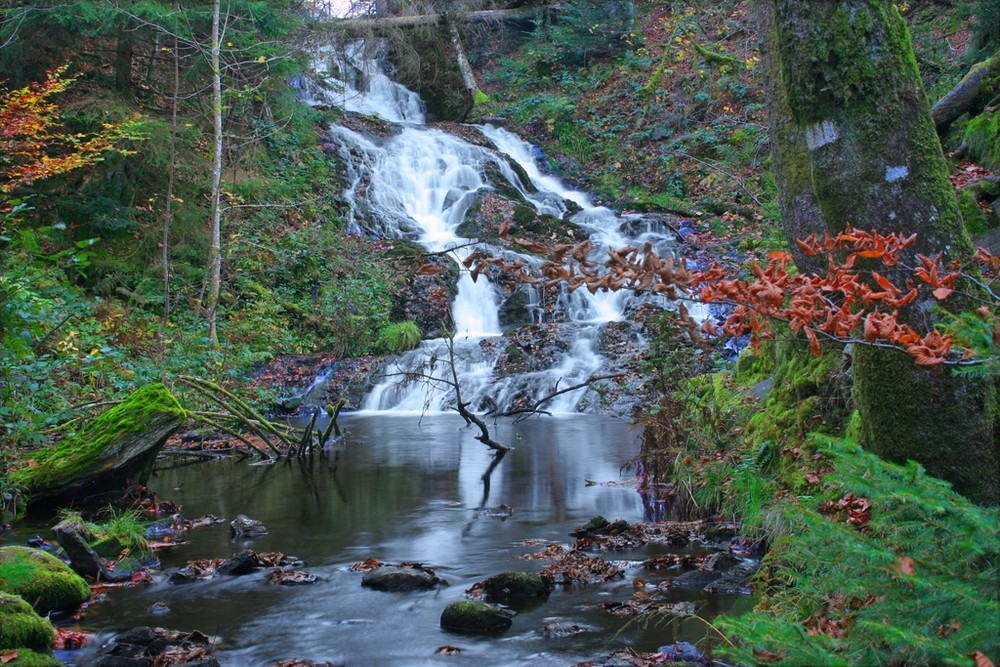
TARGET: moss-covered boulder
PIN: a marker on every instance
(475, 618)
(42, 579)
(516, 585)
(114, 451)
(22, 627)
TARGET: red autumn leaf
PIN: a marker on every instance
(942, 293)
(9, 656)
(904, 566)
(980, 659)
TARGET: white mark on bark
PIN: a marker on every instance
(893, 174)
(821, 134)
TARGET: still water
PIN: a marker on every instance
(402, 488)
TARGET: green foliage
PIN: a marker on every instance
(121, 528)
(399, 337)
(982, 136)
(842, 595)
(582, 31)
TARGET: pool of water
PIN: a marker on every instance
(402, 488)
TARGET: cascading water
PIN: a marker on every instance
(420, 183)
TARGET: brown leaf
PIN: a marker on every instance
(447, 650)
(904, 566)
(767, 656)
(942, 293)
(948, 630)
(9, 656)
(429, 270)
(979, 659)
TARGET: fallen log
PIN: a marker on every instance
(972, 93)
(114, 451)
(359, 25)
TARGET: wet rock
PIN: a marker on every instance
(559, 630)
(42, 579)
(696, 579)
(735, 581)
(683, 652)
(399, 578)
(159, 608)
(291, 577)
(185, 575)
(472, 617)
(84, 560)
(601, 526)
(245, 562)
(516, 585)
(721, 561)
(244, 526)
(140, 647)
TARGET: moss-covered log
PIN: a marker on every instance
(973, 92)
(853, 90)
(113, 451)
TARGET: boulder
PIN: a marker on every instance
(114, 451)
(472, 617)
(84, 560)
(42, 579)
(24, 631)
(516, 585)
(245, 562)
(244, 526)
(405, 577)
(696, 579)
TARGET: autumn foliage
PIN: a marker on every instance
(859, 299)
(33, 143)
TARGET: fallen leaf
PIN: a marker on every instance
(979, 659)
(448, 650)
(9, 656)
(904, 566)
(767, 656)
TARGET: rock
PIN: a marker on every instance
(245, 562)
(601, 526)
(735, 581)
(683, 652)
(721, 561)
(41, 578)
(23, 630)
(475, 618)
(516, 585)
(114, 451)
(184, 575)
(696, 579)
(84, 560)
(139, 647)
(244, 526)
(405, 577)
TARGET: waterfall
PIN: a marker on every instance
(418, 183)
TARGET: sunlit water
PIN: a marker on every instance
(400, 490)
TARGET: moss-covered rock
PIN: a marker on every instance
(41, 579)
(115, 450)
(21, 627)
(475, 618)
(517, 585)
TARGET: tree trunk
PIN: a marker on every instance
(124, 48)
(215, 247)
(875, 162)
(972, 93)
(168, 211)
(800, 212)
(464, 68)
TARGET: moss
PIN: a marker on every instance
(516, 584)
(475, 617)
(112, 440)
(982, 136)
(21, 627)
(975, 219)
(42, 579)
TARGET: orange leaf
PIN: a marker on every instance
(942, 293)
(9, 656)
(429, 270)
(979, 659)
(904, 566)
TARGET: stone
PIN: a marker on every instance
(139, 647)
(696, 579)
(398, 578)
(245, 562)
(84, 560)
(735, 581)
(244, 526)
(22, 629)
(471, 617)
(41, 578)
(516, 584)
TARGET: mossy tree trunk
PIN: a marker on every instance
(850, 82)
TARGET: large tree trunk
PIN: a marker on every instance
(874, 160)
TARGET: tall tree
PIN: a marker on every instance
(215, 244)
(862, 144)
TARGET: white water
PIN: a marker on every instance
(419, 183)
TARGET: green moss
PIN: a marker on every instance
(474, 617)
(146, 409)
(975, 219)
(41, 579)
(516, 584)
(982, 136)
(21, 627)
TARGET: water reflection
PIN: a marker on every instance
(400, 490)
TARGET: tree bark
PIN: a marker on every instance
(800, 212)
(972, 93)
(215, 247)
(852, 86)
(124, 49)
(464, 68)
